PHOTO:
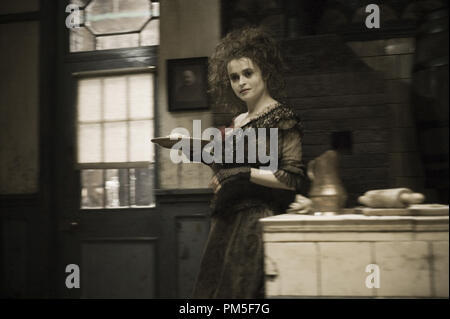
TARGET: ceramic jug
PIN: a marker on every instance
(327, 191)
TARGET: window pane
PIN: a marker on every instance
(115, 97)
(118, 41)
(124, 187)
(111, 16)
(150, 34)
(142, 186)
(121, 109)
(113, 24)
(115, 142)
(89, 143)
(89, 99)
(81, 39)
(141, 148)
(155, 9)
(116, 186)
(92, 188)
(141, 96)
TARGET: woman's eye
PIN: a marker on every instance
(248, 74)
(234, 78)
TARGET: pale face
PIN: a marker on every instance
(188, 77)
(246, 80)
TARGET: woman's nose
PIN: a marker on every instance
(241, 81)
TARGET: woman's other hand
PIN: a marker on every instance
(301, 205)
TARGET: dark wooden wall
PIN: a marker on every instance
(185, 222)
(27, 231)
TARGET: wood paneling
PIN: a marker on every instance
(192, 233)
(185, 224)
(19, 109)
(18, 6)
(15, 252)
(119, 268)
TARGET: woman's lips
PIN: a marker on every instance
(244, 91)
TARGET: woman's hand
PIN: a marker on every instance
(302, 205)
(267, 178)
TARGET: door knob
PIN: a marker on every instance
(74, 226)
(69, 226)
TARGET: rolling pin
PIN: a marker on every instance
(391, 198)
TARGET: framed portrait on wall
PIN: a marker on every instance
(187, 84)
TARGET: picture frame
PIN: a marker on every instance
(187, 82)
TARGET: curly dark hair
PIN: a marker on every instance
(256, 44)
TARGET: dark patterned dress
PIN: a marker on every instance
(233, 260)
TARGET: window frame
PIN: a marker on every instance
(95, 74)
(143, 59)
(113, 165)
(95, 70)
(82, 24)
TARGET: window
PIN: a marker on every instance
(115, 100)
(114, 129)
(112, 24)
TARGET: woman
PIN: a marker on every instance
(245, 72)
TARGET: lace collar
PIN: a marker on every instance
(280, 116)
(260, 114)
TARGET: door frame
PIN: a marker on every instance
(72, 225)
